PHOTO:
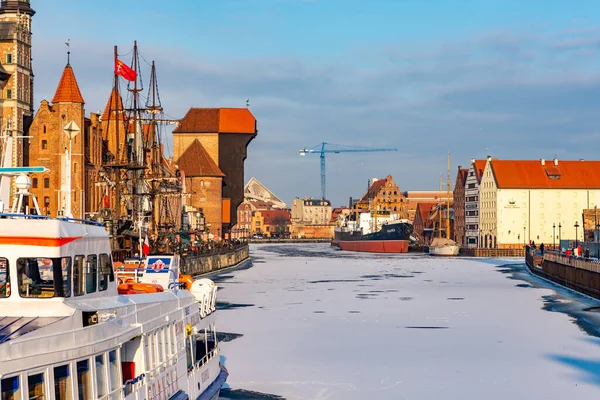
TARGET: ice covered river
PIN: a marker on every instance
(311, 322)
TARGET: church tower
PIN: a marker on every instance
(15, 55)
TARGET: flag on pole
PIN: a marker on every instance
(106, 198)
(123, 70)
(146, 247)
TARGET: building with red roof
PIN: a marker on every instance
(525, 200)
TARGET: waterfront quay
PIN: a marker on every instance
(308, 321)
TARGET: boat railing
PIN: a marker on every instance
(133, 384)
(201, 362)
(45, 217)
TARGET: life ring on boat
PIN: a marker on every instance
(188, 330)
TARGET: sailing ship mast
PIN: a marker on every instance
(448, 201)
(440, 209)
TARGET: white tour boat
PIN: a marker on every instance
(66, 332)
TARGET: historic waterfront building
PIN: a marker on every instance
(49, 145)
(459, 206)
(413, 198)
(421, 223)
(15, 53)
(384, 195)
(221, 135)
(472, 202)
(271, 223)
(311, 211)
(526, 200)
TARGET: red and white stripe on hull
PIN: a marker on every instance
(375, 246)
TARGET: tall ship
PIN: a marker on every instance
(374, 233)
(70, 330)
(444, 246)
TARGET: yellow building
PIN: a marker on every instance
(526, 200)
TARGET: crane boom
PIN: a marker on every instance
(335, 148)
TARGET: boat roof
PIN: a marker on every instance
(14, 327)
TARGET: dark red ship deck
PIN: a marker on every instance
(375, 246)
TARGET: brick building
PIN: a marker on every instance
(459, 206)
(15, 55)
(413, 198)
(421, 223)
(384, 195)
(223, 135)
(49, 144)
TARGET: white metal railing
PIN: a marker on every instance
(200, 363)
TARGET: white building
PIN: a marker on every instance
(311, 211)
(522, 200)
(472, 202)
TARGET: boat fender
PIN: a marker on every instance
(188, 330)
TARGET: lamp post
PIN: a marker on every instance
(576, 237)
(523, 236)
(559, 236)
(554, 236)
(596, 226)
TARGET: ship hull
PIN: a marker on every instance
(447, 251)
(375, 246)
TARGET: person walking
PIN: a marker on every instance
(542, 248)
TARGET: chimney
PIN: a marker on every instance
(555, 161)
(489, 158)
(542, 161)
(459, 168)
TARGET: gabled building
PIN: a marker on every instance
(224, 135)
(421, 220)
(413, 198)
(254, 190)
(472, 182)
(49, 143)
(272, 223)
(459, 206)
(384, 195)
(521, 200)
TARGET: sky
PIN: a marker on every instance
(508, 78)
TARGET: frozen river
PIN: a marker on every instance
(311, 322)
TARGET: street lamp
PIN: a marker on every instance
(597, 242)
(576, 237)
(554, 236)
(559, 237)
(523, 236)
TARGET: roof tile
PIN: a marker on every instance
(217, 120)
(195, 161)
(68, 89)
(531, 174)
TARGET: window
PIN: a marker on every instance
(46, 201)
(46, 183)
(105, 272)
(113, 370)
(44, 277)
(10, 388)
(100, 375)
(36, 386)
(62, 383)
(44, 128)
(84, 384)
(9, 58)
(91, 274)
(34, 183)
(44, 144)
(4, 281)
(78, 276)
(9, 93)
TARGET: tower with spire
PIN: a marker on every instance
(48, 147)
(15, 56)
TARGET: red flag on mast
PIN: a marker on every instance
(146, 247)
(123, 70)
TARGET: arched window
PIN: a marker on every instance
(46, 183)
(34, 183)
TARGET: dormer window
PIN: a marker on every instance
(553, 173)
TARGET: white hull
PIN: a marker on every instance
(449, 250)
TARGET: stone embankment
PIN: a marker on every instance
(577, 273)
(219, 259)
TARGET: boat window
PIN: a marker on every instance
(113, 370)
(4, 279)
(100, 375)
(78, 276)
(44, 277)
(105, 272)
(148, 351)
(62, 383)
(160, 344)
(10, 388)
(84, 385)
(91, 273)
(36, 386)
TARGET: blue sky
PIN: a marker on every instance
(508, 78)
